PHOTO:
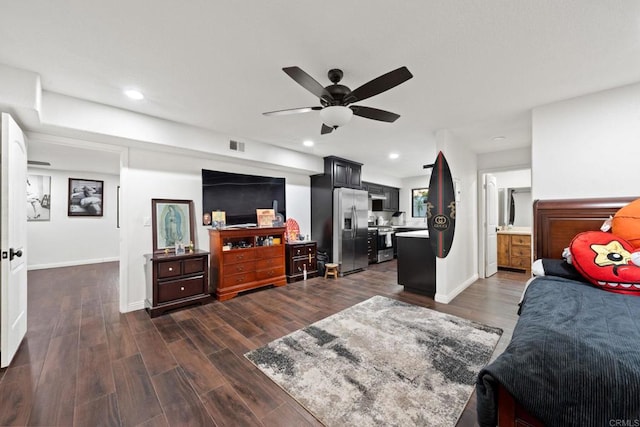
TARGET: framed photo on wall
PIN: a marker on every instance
(172, 222)
(85, 197)
(419, 202)
(38, 198)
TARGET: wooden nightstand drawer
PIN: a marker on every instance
(195, 265)
(521, 240)
(169, 269)
(238, 255)
(170, 291)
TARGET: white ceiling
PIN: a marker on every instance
(479, 66)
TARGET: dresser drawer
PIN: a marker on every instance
(177, 289)
(270, 272)
(168, 269)
(521, 240)
(238, 255)
(518, 251)
(521, 262)
(238, 279)
(240, 267)
(194, 265)
(299, 264)
(268, 263)
(270, 251)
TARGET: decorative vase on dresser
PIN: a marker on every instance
(246, 258)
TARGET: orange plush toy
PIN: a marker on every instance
(626, 223)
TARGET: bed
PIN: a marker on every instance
(574, 358)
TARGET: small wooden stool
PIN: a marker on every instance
(331, 269)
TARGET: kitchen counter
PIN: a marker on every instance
(516, 230)
(423, 234)
(410, 227)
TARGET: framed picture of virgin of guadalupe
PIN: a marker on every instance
(172, 222)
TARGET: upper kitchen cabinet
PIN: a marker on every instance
(383, 198)
(393, 199)
(344, 173)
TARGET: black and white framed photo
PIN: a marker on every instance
(85, 197)
(38, 198)
(173, 224)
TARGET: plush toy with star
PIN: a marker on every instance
(607, 261)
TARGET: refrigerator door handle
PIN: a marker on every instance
(355, 218)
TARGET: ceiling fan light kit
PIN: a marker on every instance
(336, 115)
(334, 108)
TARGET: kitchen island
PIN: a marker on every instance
(416, 262)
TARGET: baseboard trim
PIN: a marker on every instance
(447, 298)
(134, 306)
(71, 263)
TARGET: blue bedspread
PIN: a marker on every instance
(574, 359)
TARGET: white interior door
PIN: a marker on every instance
(491, 235)
(13, 239)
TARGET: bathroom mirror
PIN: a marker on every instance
(516, 207)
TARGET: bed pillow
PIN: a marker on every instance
(626, 223)
(605, 260)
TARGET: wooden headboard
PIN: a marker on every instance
(556, 222)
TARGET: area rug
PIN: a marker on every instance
(381, 362)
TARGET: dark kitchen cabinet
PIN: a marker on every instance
(344, 173)
(372, 246)
(391, 201)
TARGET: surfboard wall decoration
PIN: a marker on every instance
(441, 207)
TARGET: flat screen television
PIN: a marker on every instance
(239, 195)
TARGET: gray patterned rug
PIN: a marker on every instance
(381, 362)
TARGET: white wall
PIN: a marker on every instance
(65, 240)
(170, 176)
(513, 179)
(587, 146)
(460, 268)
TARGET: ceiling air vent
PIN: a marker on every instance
(236, 146)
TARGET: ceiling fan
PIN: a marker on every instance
(335, 99)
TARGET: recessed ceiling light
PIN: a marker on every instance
(308, 143)
(499, 138)
(134, 94)
(394, 155)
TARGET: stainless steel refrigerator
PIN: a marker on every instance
(350, 229)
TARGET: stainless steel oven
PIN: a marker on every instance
(385, 243)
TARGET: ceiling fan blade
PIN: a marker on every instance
(308, 82)
(379, 85)
(325, 129)
(292, 111)
(374, 114)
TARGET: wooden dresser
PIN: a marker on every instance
(175, 281)
(514, 250)
(301, 256)
(243, 259)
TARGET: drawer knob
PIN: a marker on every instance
(182, 288)
(170, 268)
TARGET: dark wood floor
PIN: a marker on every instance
(85, 364)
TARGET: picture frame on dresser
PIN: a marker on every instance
(172, 223)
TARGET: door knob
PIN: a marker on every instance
(13, 254)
